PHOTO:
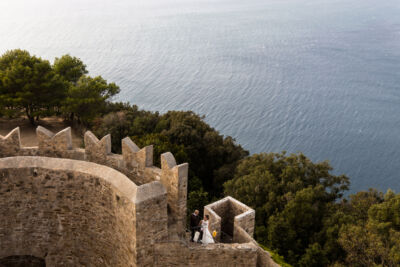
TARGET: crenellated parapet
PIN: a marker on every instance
(134, 162)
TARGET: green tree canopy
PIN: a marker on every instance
(70, 68)
(292, 197)
(211, 156)
(88, 98)
(374, 241)
(29, 83)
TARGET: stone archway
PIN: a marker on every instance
(22, 261)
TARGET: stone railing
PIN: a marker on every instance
(135, 163)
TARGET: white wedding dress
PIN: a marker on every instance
(207, 237)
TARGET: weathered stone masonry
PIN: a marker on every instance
(88, 224)
(69, 206)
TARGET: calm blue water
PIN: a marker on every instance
(318, 76)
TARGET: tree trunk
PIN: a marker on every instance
(30, 117)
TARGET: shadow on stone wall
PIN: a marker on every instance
(22, 261)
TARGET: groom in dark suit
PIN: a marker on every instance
(194, 223)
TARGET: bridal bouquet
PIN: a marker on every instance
(214, 233)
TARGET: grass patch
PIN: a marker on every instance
(276, 257)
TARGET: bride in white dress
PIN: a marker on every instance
(207, 237)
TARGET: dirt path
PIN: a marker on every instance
(28, 132)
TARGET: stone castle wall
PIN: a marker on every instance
(89, 207)
(135, 163)
(147, 219)
(65, 212)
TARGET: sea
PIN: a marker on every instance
(320, 77)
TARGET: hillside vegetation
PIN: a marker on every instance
(300, 209)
